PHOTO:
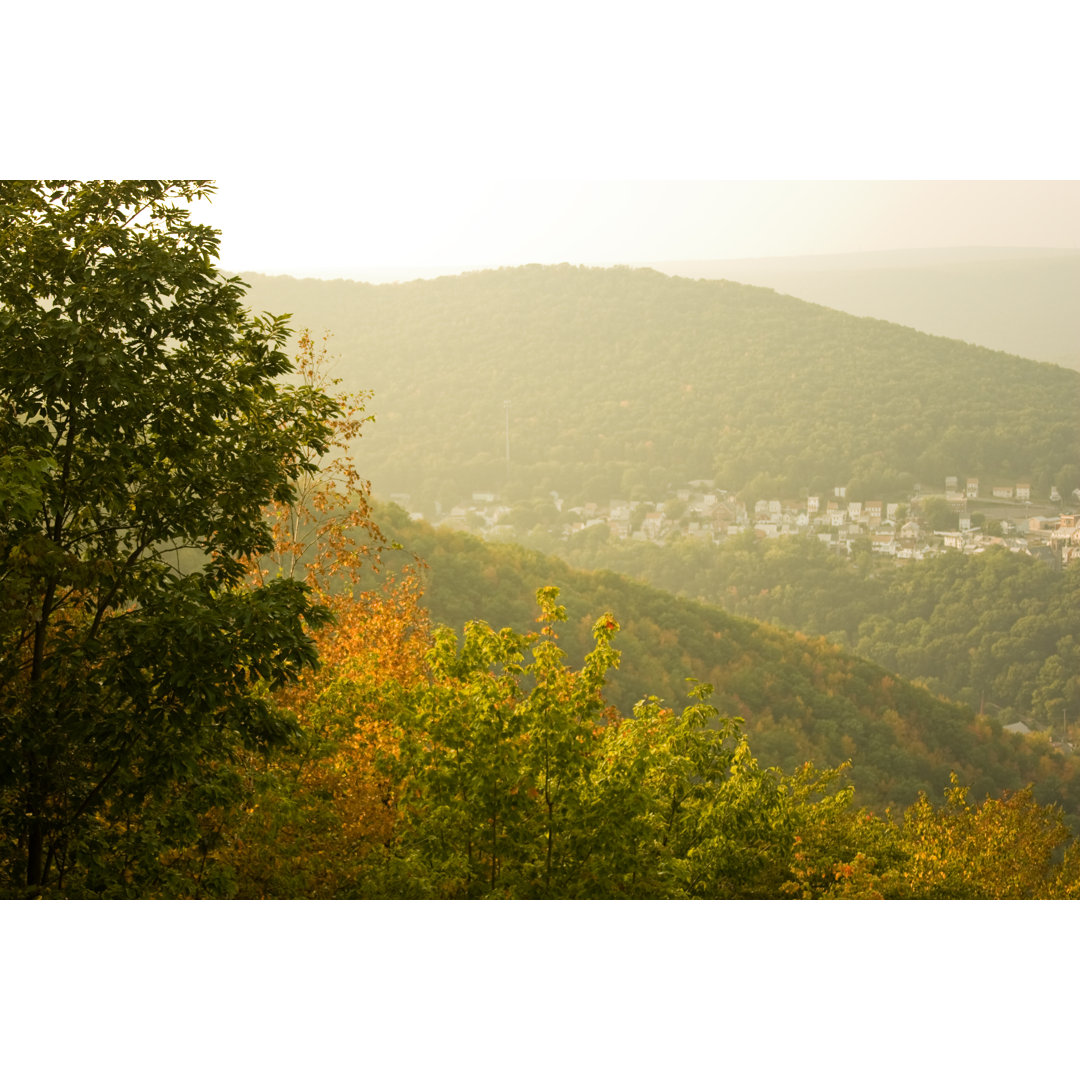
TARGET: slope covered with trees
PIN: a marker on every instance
(802, 698)
(626, 381)
(997, 631)
(497, 770)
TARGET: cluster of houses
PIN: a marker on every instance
(900, 530)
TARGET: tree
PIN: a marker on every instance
(145, 424)
(1000, 849)
(939, 515)
(325, 534)
(511, 777)
(316, 809)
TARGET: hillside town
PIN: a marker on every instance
(958, 517)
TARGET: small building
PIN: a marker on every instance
(1023, 489)
(972, 487)
(1019, 728)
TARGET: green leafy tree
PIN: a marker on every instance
(143, 427)
(939, 515)
(514, 779)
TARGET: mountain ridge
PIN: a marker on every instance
(629, 379)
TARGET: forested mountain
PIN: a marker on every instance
(998, 631)
(1019, 300)
(626, 381)
(803, 699)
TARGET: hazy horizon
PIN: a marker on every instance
(884, 258)
(390, 231)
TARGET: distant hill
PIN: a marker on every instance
(803, 699)
(626, 381)
(1018, 300)
(999, 631)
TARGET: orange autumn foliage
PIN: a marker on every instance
(316, 813)
(379, 639)
(326, 535)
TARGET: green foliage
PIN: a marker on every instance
(997, 631)
(143, 427)
(803, 698)
(508, 776)
(939, 515)
(516, 780)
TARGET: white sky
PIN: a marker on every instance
(453, 224)
(480, 133)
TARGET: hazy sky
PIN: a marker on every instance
(451, 223)
(346, 136)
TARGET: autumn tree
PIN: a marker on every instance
(313, 811)
(1000, 849)
(325, 534)
(144, 426)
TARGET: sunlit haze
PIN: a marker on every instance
(393, 229)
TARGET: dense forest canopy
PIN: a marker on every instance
(626, 382)
(997, 631)
(802, 698)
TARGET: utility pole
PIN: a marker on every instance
(507, 406)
